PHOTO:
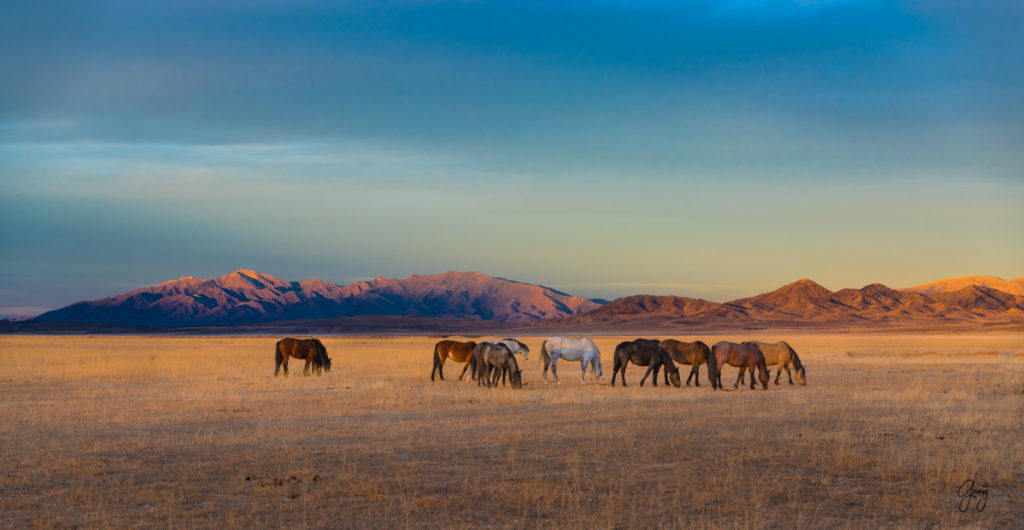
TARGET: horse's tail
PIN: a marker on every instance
(620, 352)
(545, 355)
(437, 361)
(278, 358)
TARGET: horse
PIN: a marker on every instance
(493, 360)
(583, 350)
(692, 353)
(461, 352)
(782, 354)
(745, 355)
(310, 350)
(514, 346)
(645, 352)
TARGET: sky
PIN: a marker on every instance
(714, 149)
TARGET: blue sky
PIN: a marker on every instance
(713, 149)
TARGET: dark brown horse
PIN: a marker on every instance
(493, 361)
(461, 352)
(693, 354)
(644, 352)
(745, 355)
(310, 350)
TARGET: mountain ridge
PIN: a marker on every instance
(246, 297)
(807, 302)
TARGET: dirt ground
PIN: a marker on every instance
(121, 431)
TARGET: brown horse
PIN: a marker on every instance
(493, 361)
(694, 354)
(644, 352)
(782, 355)
(746, 355)
(310, 350)
(461, 352)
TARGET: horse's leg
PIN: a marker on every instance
(305, 369)
(737, 384)
(466, 367)
(554, 368)
(277, 359)
(752, 376)
(788, 373)
(648, 372)
(695, 374)
(285, 365)
(583, 375)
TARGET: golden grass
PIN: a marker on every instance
(196, 432)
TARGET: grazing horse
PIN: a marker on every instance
(782, 355)
(644, 352)
(694, 354)
(310, 350)
(514, 346)
(745, 355)
(493, 360)
(582, 350)
(461, 352)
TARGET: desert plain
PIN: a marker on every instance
(128, 431)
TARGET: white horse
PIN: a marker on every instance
(583, 350)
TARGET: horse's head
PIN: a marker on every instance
(525, 349)
(801, 375)
(673, 375)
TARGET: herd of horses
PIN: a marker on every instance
(492, 361)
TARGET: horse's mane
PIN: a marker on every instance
(321, 352)
(796, 358)
(512, 360)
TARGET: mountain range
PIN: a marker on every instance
(805, 303)
(246, 297)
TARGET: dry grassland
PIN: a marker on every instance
(196, 432)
